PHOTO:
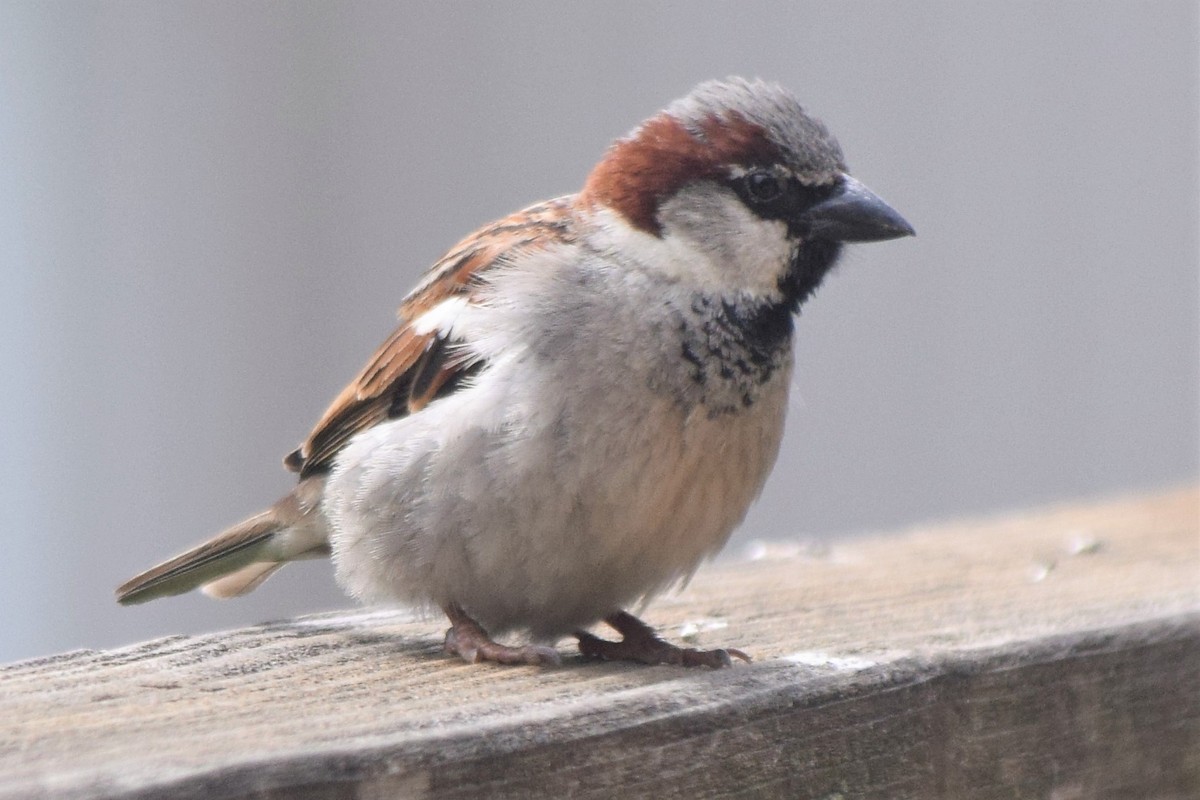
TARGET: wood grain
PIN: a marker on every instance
(1053, 654)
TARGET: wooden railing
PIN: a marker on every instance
(1053, 654)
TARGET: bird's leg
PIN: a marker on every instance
(469, 641)
(640, 643)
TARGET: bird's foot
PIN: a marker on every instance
(469, 641)
(641, 643)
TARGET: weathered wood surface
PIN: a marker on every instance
(1048, 655)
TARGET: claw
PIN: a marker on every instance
(640, 643)
(470, 642)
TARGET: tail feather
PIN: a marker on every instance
(244, 581)
(237, 560)
(236, 548)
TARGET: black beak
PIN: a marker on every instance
(853, 214)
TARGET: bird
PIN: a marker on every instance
(581, 400)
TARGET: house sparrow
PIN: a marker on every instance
(581, 400)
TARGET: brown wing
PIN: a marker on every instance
(411, 369)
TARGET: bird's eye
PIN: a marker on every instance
(763, 187)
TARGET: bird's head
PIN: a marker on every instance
(734, 190)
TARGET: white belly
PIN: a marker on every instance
(544, 508)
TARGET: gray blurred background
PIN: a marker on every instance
(208, 212)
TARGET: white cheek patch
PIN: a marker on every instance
(760, 252)
(710, 242)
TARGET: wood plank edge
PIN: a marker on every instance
(682, 702)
